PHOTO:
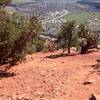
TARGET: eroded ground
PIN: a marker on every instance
(47, 78)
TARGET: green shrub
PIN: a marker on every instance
(88, 39)
(67, 36)
(38, 44)
(4, 2)
(16, 36)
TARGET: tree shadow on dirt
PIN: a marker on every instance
(59, 55)
(4, 72)
(96, 67)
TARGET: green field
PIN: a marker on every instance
(93, 19)
(20, 1)
(81, 17)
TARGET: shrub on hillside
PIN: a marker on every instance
(88, 39)
(67, 36)
(16, 36)
(38, 44)
(4, 2)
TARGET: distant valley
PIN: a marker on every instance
(40, 7)
(52, 12)
(43, 7)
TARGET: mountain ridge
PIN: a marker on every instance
(48, 1)
(95, 4)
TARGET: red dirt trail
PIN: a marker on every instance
(43, 78)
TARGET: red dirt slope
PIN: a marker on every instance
(47, 78)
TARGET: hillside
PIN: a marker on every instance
(91, 18)
(45, 55)
(42, 77)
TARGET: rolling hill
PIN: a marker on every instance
(92, 3)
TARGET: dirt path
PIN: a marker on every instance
(43, 78)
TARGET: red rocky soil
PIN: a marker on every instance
(43, 78)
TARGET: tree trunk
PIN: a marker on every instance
(68, 49)
(84, 49)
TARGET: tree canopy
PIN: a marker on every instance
(16, 35)
(67, 35)
(4, 2)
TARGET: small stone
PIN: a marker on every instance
(98, 60)
(89, 82)
(14, 96)
(92, 97)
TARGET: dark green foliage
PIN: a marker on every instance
(4, 2)
(72, 36)
(88, 39)
(67, 36)
(38, 44)
(83, 31)
(16, 36)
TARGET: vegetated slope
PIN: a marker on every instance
(91, 18)
(40, 77)
(79, 17)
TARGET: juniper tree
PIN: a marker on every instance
(87, 38)
(16, 34)
(67, 35)
(4, 2)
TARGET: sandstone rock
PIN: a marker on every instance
(94, 97)
(89, 82)
(98, 60)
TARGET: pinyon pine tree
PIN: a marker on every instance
(67, 35)
(16, 35)
(88, 39)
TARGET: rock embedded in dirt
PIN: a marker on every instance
(98, 60)
(87, 83)
(92, 97)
